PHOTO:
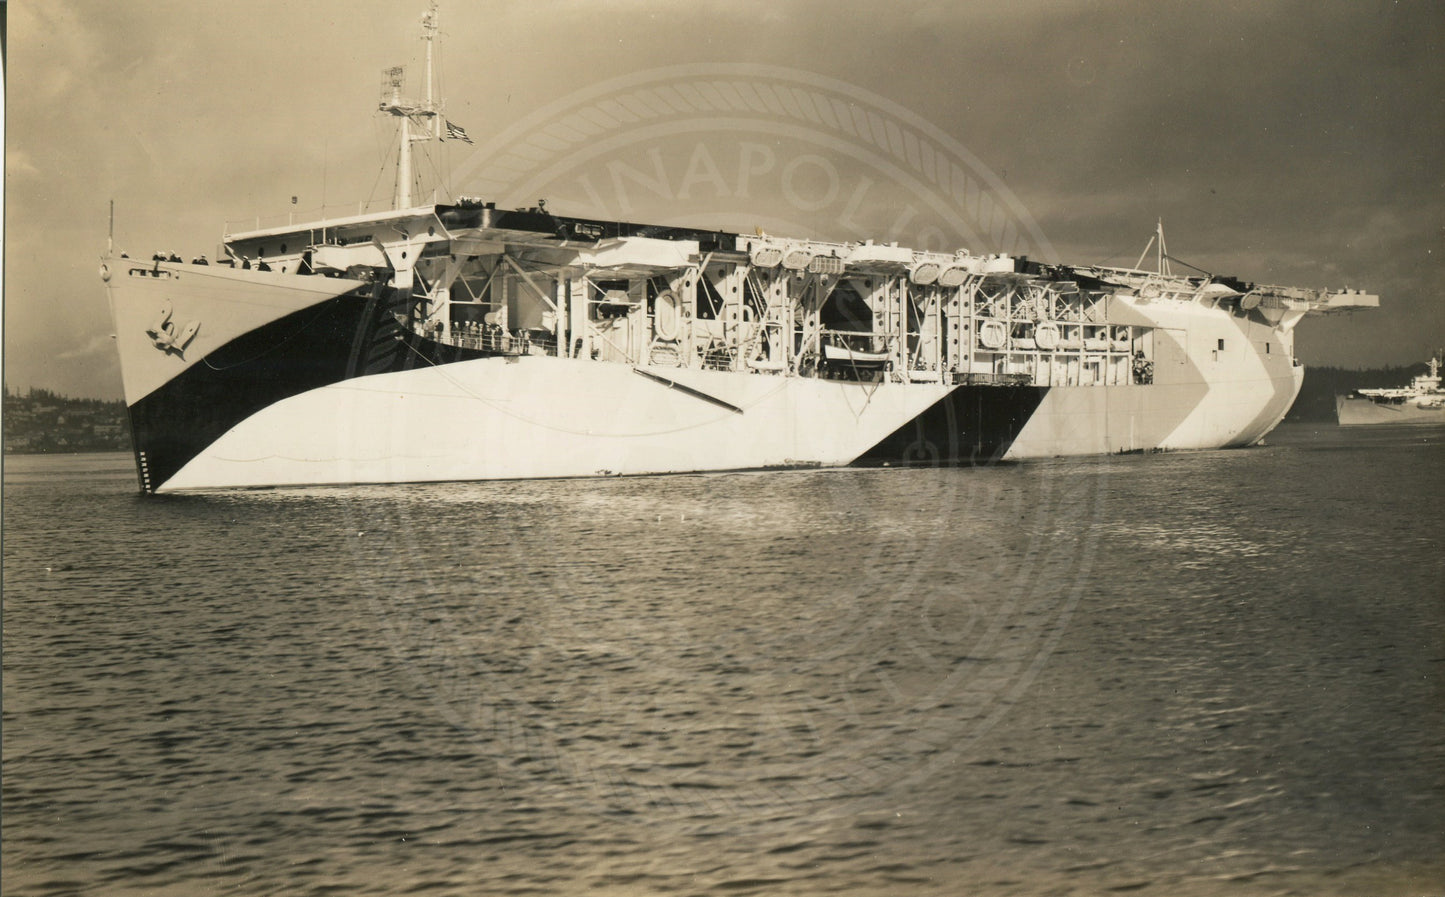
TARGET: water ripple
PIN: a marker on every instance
(1171, 675)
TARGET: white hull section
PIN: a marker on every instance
(1220, 380)
(1092, 421)
(213, 304)
(500, 418)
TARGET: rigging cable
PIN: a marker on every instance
(385, 160)
(1187, 265)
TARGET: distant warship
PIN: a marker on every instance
(1422, 402)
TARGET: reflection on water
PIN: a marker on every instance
(1170, 674)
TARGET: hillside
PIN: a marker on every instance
(42, 422)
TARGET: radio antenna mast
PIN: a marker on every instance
(423, 114)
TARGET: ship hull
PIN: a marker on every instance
(533, 417)
(537, 417)
(1354, 411)
(321, 388)
(307, 380)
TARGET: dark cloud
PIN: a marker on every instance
(1287, 142)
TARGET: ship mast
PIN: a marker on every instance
(1162, 261)
(425, 114)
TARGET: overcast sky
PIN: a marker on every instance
(1293, 143)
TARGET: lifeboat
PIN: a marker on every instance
(992, 335)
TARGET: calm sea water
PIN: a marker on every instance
(1209, 673)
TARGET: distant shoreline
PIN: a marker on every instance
(41, 422)
(68, 454)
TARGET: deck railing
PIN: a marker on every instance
(310, 215)
(501, 342)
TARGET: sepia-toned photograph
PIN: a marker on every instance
(687, 447)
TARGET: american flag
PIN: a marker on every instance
(457, 132)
